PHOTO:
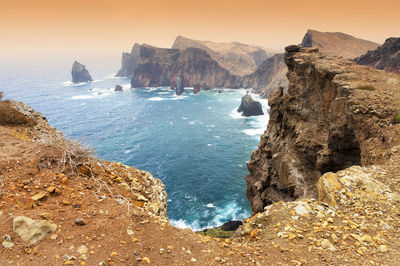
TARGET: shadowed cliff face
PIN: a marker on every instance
(160, 67)
(386, 57)
(129, 61)
(269, 75)
(334, 114)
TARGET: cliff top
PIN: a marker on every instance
(337, 43)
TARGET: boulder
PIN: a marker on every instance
(118, 88)
(249, 107)
(180, 85)
(196, 89)
(80, 73)
(31, 230)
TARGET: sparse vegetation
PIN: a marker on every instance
(75, 154)
(396, 119)
(366, 88)
(216, 233)
(11, 116)
(1, 95)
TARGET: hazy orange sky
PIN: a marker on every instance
(108, 27)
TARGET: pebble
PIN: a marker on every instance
(82, 249)
(80, 221)
(146, 260)
(193, 260)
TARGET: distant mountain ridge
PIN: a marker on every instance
(207, 64)
(337, 43)
(385, 57)
(240, 59)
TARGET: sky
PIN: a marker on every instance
(37, 28)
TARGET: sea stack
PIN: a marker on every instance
(180, 85)
(249, 107)
(80, 73)
(118, 88)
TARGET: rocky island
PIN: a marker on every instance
(249, 107)
(80, 73)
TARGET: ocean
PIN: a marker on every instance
(198, 145)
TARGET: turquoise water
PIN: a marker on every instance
(198, 145)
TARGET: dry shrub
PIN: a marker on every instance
(11, 116)
(1, 95)
(75, 154)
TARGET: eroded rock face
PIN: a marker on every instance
(31, 230)
(80, 73)
(160, 67)
(249, 107)
(324, 122)
(385, 57)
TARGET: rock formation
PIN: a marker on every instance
(129, 61)
(385, 57)
(239, 59)
(180, 85)
(269, 75)
(333, 115)
(80, 73)
(160, 67)
(196, 89)
(249, 107)
(118, 88)
(337, 43)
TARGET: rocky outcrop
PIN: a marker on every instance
(196, 89)
(239, 59)
(129, 61)
(180, 85)
(80, 73)
(249, 107)
(160, 67)
(334, 114)
(385, 57)
(337, 43)
(269, 75)
(118, 88)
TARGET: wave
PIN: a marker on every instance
(163, 92)
(156, 99)
(229, 212)
(71, 84)
(82, 97)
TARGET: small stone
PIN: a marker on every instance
(129, 232)
(45, 215)
(80, 221)
(327, 245)
(53, 237)
(82, 249)
(382, 248)
(114, 254)
(217, 259)
(146, 260)
(7, 244)
(193, 260)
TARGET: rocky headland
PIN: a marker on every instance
(160, 67)
(80, 73)
(323, 184)
(385, 57)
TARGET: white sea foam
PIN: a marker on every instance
(217, 137)
(184, 118)
(210, 205)
(192, 122)
(71, 84)
(209, 145)
(156, 99)
(127, 151)
(82, 97)
(163, 92)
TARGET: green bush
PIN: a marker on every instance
(366, 88)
